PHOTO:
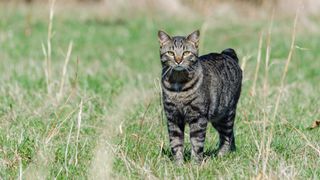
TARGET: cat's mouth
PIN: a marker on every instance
(179, 68)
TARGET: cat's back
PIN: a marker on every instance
(223, 65)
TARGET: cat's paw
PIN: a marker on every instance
(197, 158)
(225, 149)
(179, 162)
(178, 158)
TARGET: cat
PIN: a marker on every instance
(198, 90)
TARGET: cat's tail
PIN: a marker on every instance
(231, 53)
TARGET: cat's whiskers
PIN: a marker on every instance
(170, 73)
(187, 69)
(164, 74)
(190, 68)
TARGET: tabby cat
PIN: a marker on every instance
(197, 90)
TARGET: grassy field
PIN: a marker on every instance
(103, 116)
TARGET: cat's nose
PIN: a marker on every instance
(178, 59)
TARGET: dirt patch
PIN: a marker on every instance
(101, 165)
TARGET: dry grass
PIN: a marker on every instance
(106, 121)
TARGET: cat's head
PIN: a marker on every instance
(179, 52)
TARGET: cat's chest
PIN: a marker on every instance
(180, 98)
(186, 104)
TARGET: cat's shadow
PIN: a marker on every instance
(211, 152)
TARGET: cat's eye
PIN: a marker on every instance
(170, 53)
(186, 53)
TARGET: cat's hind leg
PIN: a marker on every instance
(226, 134)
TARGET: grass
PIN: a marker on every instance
(111, 85)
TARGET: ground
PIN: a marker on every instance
(103, 116)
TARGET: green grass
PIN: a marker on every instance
(120, 55)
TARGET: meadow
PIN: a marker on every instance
(80, 94)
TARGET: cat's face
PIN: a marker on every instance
(179, 52)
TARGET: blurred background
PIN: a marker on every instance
(80, 93)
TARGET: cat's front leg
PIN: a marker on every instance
(198, 129)
(176, 137)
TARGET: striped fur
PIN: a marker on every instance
(197, 91)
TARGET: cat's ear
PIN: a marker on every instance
(194, 38)
(163, 37)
